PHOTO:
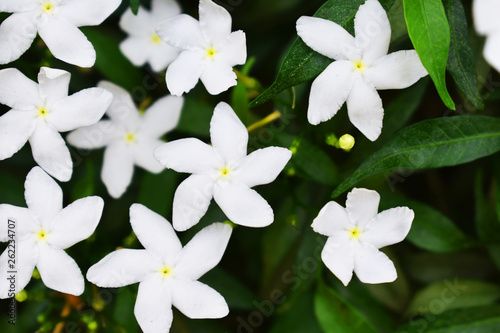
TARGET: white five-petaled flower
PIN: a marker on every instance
(355, 234)
(40, 111)
(361, 68)
(41, 232)
(56, 21)
(167, 272)
(223, 171)
(485, 13)
(210, 50)
(143, 44)
(129, 137)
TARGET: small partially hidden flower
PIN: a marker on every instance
(167, 272)
(210, 50)
(39, 234)
(223, 171)
(485, 14)
(129, 137)
(143, 44)
(355, 234)
(361, 68)
(40, 111)
(57, 22)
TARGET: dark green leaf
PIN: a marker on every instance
(461, 62)
(134, 6)
(430, 34)
(297, 316)
(314, 162)
(157, 191)
(432, 143)
(195, 118)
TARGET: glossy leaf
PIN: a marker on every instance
(430, 34)
(432, 143)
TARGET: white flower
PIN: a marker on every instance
(40, 234)
(40, 111)
(129, 137)
(210, 50)
(362, 67)
(485, 13)
(355, 234)
(222, 171)
(167, 273)
(56, 22)
(143, 44)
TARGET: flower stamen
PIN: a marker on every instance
(155, 39)
(42, 112)
(165, 271)
(210, 52)
(359, 65)
(130, 138)
(355, 233)
(41, 235)
(48, 7)
(224, 172)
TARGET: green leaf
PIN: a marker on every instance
(430, 34)
(134, 6)
(461, 62)
(195, 118)
(157, 191)
(297, 315)
(432, 143)
(302, 64)
(336, 315)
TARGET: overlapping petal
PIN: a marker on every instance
(161, 56)
(143, 152)
(15, 129)
(185, 71)
(117, 168)
(92, 137)
(43, 196)
(182, 31)
(373, 266)
(228, 134)
(362, 206)
(53, 84)
(263, 165)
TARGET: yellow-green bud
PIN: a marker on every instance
(346, 142)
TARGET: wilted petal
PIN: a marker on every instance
(50, 152)
(329, 91)
(155, 233)
(122, 109)
(21, 220)
(144, 154)
(339, 258)
(76, 222)
(362, 206)
(327, 38)
(153, 307)
(196, 300)
(373, 266)
(184, 72)
(218, 77)
(485, 14)
(332, 218)
(215, 21)
(228, 134)
(181, 31)
(388, 227)
(15, 129)
(53, 84)
(162, 116)
(263, 165)
(17, 33)
(203, 252)
(18, 91)
(117, 168)
(43, 195)
(94, 136)
(365, 110)
(397, 70)
(242, 205)
(88, 12)
(191, 201)
(233, 49)
(67, 42)
(59, 271)
(25, 260)
(121, 268)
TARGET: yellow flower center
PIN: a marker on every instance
(224, 172)
(155, 39)
(41, 235)
(42, 112)
(48, 7)
(355, 233)
(130, 138)
(210, 52)
(359, 65)
(165, 271)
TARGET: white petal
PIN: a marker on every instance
(184, 72)
(327, 37)
(153, 307)
(59, 271)
(365, 110)
(155, 233)
(83, 108)
(203, 252)
(162, 116)
(136, 49)
(485, 16)
(25, 260)
(122, 109)
(491, 50)
(362, 206)
(10, 6)
(67, 42)
(161, 56)
(242, 205)
(50, 152)
(164, 8)
(372, 30)
(181, 31)
(144, 155)
(75, 222)
(18, 91)
(196, 300)
(373, 266)
(53, 84)
(43, 195)
(332, 218)
(215, 21)
(94, 136)
(17, 33)
(135, 25)
(228, 134)
(88, 12)
(218, 77)
(339, 258)
(187, 155)
(233, 49)
(117, 168)
(263, 165)
(15, 129)
(121, 268)
(397, 70)
(388, 227)
(329, 91)
(21, 220)
(191, 201)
